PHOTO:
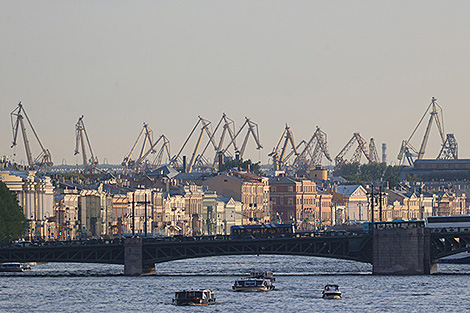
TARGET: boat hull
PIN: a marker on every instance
(332, 295)
(253, 289)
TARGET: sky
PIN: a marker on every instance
(346, 66)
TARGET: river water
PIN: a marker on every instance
(56, 287)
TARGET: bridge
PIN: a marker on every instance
(390, 251)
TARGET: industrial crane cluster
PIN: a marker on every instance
(222, 151)
(215, 146)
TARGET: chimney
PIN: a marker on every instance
(184, 164)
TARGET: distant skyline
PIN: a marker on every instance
(362, 66)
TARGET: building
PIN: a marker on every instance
(35, 195)
(250, 189)
(354, 199)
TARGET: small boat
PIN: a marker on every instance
(253, 284)
(331, 292)
(194, 297)
(14, 267)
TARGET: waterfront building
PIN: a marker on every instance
(229, 213)
(448, 203)
(211, 213)
(354, 198)
(176, 219)
(408, 205)
(35, 195)
(294, 201)
(250, 189)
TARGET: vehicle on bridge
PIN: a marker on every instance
(261, 231)
(448, 224)
(194, 297)
(367, 226)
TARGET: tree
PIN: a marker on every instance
(254, 167)
(370, 173)
(13, 224)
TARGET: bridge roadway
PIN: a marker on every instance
(408, 251)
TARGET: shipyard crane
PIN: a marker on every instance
(147, 134)
(360, 150)
(278, 158)
(205, 128)
(252, 128)
(156, 163)
(80, 137)
(410, 153)
(44, 159)
(313, 152)
(228, 128)
(373, 154)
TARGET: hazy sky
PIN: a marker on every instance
(346, 66)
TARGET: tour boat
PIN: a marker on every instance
(257, 281)
(14, 267)
(331, 292)
(194, 297)
(253, 284)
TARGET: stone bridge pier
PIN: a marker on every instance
(402, 251)
(133, 265)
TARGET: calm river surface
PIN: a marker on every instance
(56, 287)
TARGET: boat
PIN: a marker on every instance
(257, 281)
(194, 297)
(263, 275)
(14, 267)
(331, 292)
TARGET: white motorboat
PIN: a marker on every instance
(331, 292)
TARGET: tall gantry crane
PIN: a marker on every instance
(278, 158)
(80, 137)
(44, 159)
(142, 165)
(252, 128)
(312, 152)
(228, 128)
(205, 128)
(148, 146)
(147, 134)
(410, 153)
(361, 149)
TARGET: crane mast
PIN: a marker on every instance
(80, 137)
(147, 134)
(194, 157)
(312, 152)
(17, 116)
(278, 159)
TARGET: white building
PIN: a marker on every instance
(35, 193)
